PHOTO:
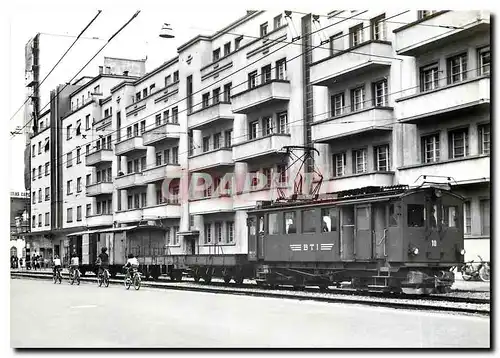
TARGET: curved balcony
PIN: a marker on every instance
(161, 172)
(161, 211)
(126, 216)
(268, 93)
(99, 156)
(130, 146)
(353, 181)
(211, 159)
(205, 117)
(261, 146)
(100, 220)
(129, 180)
(211, 205)
(102, 188)
(161, 133)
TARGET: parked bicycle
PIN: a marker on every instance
(134, 277)
(103, 278)
(473, 270)
(57, 276)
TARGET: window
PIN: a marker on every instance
(158, 158)
(216, 55)
(69, 215)
(357, 98)
(33, 221)
(206, 144)
(175, 115)
(309, 221)
(459, 143)
(39, 147)
(47, 219)
(143, 163)
(253, 129)
(382, 155)
(208, 233)
(158, 120)
(484, 139)
(47, 145)
(136, 129)
(151, 88)
(281, 169)
(339, 163)
(68, 187)
(227, 138)
(217, 140)
(356, 35)
(98, 177)
(69, 159)
(129, 132)
(283, 123)
(273, 226)
(34, 174)
(277, 21)
(237, 42)
(216, 96)
(218, 232)
(430, 148)
(143, 126)
(281, 69)
(429, 79)
(78, 213)
(359, 158)
(175, 155)
(144, 93)
(39, 220)
(39, 195)
(87, 122)
(78, 159)
(227, 48)
(424, 13)
(263, 29)
(87, 149)
(328, 219)
(175, 230)
(449, 216)
(266, 74)
(46, 168)
(380, 93)
(88, 210)
(34, 197)
(166, 116)
(230, 231)
(138, 96)
(484, 60)
(337, 104)
(457, 68)
(47, 194)
(144, 200)
(33, 151)
(252, 79)
(205, 100)
(268, 175)
(267, 126)
(485, 216)
(78, 185)
(130, 204)
(467, 218)
(416, 215)
(227, 93)
(176, 76)
(168, 80)
(68, 134)
(393, 216)
(378, 28)
(290, 222)
(166, 156)
(137, 203)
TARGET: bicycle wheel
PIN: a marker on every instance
(127, 282)
(484, 273)
(99, 280)
(78, 277)
(55, 278)
(137, 282)
(465, 276)
(72, 278)
(106, 280)
(60, 277)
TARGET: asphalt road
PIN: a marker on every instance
(85, 316)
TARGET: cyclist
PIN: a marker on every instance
(132, 263)
(73, 263)
(102, 261)
(57, 264)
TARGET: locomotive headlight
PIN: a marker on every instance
(462, 252)
(415, 251)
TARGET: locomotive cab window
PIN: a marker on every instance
(393, 216)
(416, 215)
(272, 222)
(290, 223)
(261, 224)
(252, 226)
(433, 216)
(449, 216)
(309, 221)
(328, 220)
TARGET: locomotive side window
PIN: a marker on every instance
(362, 218)
(261, 224)
(416, 215)
(309, 220)
(290, 223)
(251, 224)
(393, 216)
(273, 224)
(328, 220)
(433, 217)
(449, 216)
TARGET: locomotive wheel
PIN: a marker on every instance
(227, 279)
(207, 278)
(239, 279)
(196, 278)
(323, 287)
(178, 276)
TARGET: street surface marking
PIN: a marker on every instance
(84, 306)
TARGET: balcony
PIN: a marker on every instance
(129, 146)
(445, 100)
(346, 64)
(249, 199)
(99, 156)
(353, 181)
(353, 123)
(161, 172)
(414, 40)
(204, 117)
(100, 220)
(215, 158)
(161, 133)
(261, 146)
(265, 94)
(127, 216)
(164, 210)
(129, 180)
(465, 170)
(99, 189)
(211, 205)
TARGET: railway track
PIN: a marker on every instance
(427, 303)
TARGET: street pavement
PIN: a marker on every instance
(86, 316)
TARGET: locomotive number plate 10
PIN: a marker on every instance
(311, 247)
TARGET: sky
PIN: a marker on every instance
(139, 40)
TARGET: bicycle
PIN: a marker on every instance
(75, 276)
(57, 276)
(473, 270)
(103, 278)
(135, 280)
